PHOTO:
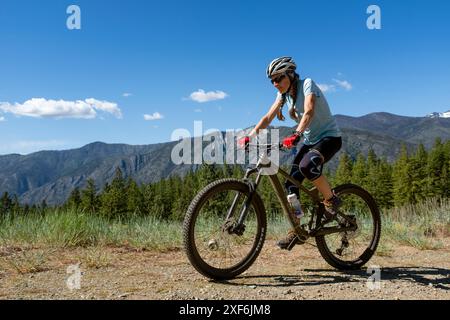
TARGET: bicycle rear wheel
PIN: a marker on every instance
(209, 241)
(351, 250)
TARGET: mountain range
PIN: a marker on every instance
(52, 175)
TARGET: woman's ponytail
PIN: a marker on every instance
(293, 94)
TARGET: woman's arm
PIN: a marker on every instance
(307, 117)
(267, 119)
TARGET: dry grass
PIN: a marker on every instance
(95, 257)
(26, 261)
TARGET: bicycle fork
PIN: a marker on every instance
(239, 227)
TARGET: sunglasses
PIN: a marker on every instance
(278, 79)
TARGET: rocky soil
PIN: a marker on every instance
(123, 273)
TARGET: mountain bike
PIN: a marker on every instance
(225, 225)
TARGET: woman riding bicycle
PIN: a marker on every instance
(322, 137)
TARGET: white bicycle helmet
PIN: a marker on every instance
(281, 65)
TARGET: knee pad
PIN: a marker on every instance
(297, 175)
(311, 165)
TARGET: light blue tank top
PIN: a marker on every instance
(323, 123)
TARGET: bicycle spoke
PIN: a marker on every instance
(228, 249)
(350, 245)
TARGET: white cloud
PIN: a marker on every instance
(202, 96)
(344, 84)
(106, 106)
(127, 94)
(154, 116)
(340, 84)
(30, 146)
(58, 109)
(327, 87)
(2, 119)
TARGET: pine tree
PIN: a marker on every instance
(15, 206)
(343, 171)
(160, 206)
(371, 180)
(135, 198)
(384, 185)
(5, 204)
(89, 199)
(186, 194)
(436, 187)
(417, 172)
(113, 199)
(401, 179)
(359, 172)
(147, 196)
(207, 174)
(74, 200)
(43, 207)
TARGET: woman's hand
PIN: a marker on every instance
(244, 142)
(292, 141)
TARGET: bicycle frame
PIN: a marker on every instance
(264, 162)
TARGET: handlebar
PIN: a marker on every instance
(269, 147)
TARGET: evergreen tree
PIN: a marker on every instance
(89, 199)
(184, 198)
(43, 207)
(343, 171)
(5, 204)
(372, 167)
(15, 206)
(74, 200)
(135, 198)
(207, 174)
(417, 171)
(160, 207)
(436, 186)
(384, 185)
(401, 179)
(147, 196)
(113, 199)
(359, 172)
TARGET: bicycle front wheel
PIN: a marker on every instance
(211, 245)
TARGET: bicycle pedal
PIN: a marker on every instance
(294, 242)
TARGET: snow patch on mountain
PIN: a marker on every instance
(439, 114)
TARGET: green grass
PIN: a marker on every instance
(72, 229)
(421, 226)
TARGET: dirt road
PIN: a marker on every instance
(120, 273)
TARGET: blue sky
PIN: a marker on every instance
(138, 57)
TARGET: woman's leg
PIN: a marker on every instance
(323, 186)
(328, 147)
(291, 188)
(313, 162)
(308, 163)
(295, 171)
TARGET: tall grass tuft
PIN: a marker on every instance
(421, 226)
(67, 228)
